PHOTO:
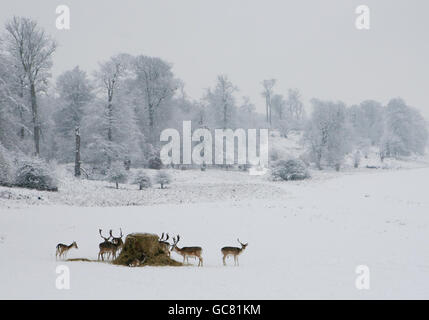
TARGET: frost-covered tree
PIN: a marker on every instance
(366, 120)
(278, 105)
(75, 93)
(32, 48)
(221, 108)
(156, 85)
(111, 125)
(117, 174)
(109, 77)
(327, 133)
(405, 130)
(295, 109)
(11, 105)
(267, 94)
(162, 178)
(283, 118)
(142, 180)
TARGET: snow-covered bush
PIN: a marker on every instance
(35, 173)
(143, 180)
(292, 169)
(117, 174)
(155, 163)
(162, 178)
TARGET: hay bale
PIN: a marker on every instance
(143, 249)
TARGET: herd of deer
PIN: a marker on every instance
(112, 245)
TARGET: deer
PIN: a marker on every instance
(117, 241)
(106, 246)
(62, 249)
(233, 251)
(187, 252)
(165, 245)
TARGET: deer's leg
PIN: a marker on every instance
(223, 259)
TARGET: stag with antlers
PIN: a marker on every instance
(165, 245)
(117, 241)
(62, 249)
(187, 252)
(233, 251)
(106, 247)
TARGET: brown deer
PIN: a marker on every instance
(117, 241)
(165, 245)
(187, 252)
(62, 249)
(233, 251)
(106, 246)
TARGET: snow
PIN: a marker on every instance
(305, 238)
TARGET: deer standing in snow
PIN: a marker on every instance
(62, 249)
(233, 251)
(187, 252)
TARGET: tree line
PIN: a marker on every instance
(120, 109)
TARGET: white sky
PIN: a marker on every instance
(312, 45)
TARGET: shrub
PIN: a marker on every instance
(143, 180)
(155, 163)
(292, 169)
(162, 178)
(36, 174)
(117, 174)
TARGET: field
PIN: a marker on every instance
(305, 238)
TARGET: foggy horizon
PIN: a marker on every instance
(310, 46)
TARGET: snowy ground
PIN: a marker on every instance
(305, 238)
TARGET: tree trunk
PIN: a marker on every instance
(110, 115)
(35, 119)
(21, 111)
(77, 155)
(117, 185)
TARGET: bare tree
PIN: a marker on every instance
(109, 76)
(157, 84)
(33, 49)
(267, 93)
(77, 162)
(295, 106)
(221, 103)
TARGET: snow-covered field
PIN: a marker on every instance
(305, 238)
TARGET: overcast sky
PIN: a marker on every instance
(312, 45)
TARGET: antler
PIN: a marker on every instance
(162, 237)
(175, 241)
(239, 242)
(121, 232)
(106, 239)
(167, 237)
